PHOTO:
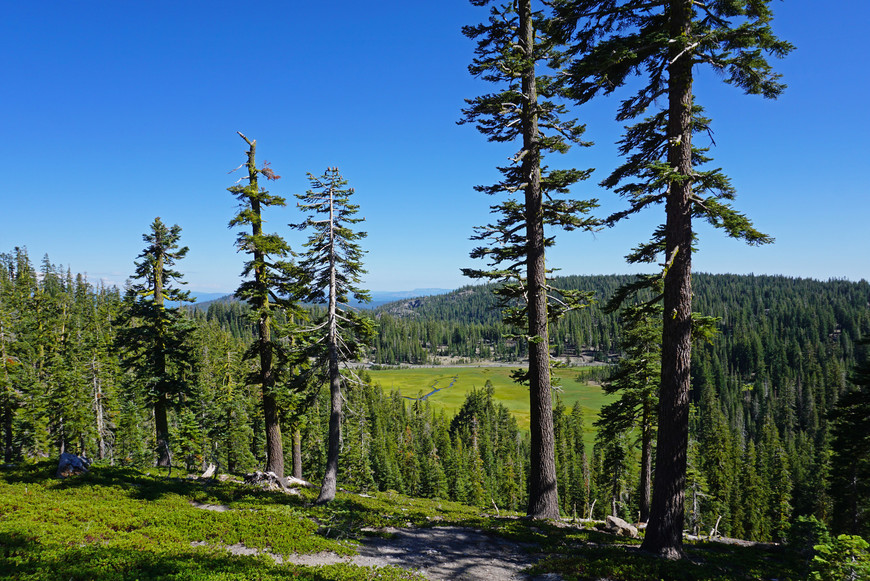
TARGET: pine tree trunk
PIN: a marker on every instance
(232, 445)
(543, 494)
(330, 477)
(274, 443)
(231, 462)
(161, 425)
(664, 534)
(62, 436)
(98, 411)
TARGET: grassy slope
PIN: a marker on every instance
(120, 524)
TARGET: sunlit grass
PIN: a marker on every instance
(414, 382)
(122, 524)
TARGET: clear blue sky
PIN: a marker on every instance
(117, 112)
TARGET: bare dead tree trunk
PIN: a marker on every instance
(646, 462)
(297, 453)
(330, 477)
(61, 435)
(98, 410)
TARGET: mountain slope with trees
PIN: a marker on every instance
(763, 392)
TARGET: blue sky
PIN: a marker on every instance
(118, 112)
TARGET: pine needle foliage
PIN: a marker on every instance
(850, 460)
(636, 380)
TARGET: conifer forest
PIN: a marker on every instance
(734, 404)
(769, 389)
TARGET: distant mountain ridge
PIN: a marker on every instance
(383, 297)
(379, 298)
(202, 297)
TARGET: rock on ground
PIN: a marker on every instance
(70, 464)
(619, 527)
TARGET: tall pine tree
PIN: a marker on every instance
(157, 337)
(636, 380)
(271, 283)
(333, 263)
(510, 47)
(665, 40)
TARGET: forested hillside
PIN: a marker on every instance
(763, 386)
(772, 310)
(780, 358)
(467, 323)
(763, 390)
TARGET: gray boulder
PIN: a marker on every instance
(70, 464)
(619, 527)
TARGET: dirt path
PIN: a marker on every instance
(440, 553)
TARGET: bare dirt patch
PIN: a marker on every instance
(211, 507)
(439, 553)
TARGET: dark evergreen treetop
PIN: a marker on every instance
(272, 280)
(616, 39)
(156, 337)
(154, 265)
(271, 276)
(636, 376)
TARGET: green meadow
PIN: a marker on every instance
(417, 382)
